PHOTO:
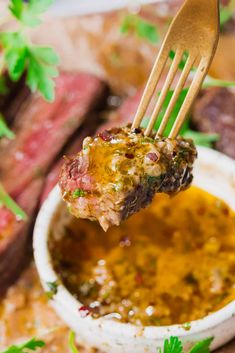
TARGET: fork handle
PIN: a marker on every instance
(196, 9)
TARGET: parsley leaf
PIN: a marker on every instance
(202, 346)
(225, 15)
(201, 139)
(20, 55)
(40, 71)
(142, 28)
(4, 130)
(213, 82)
(53, 289)
(28, 13)
(79, 193)
(174, 113)
(8, 202)
(72, 346)
(182, 62)
(173, 345)
(31, 345)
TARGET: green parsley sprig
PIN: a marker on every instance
(171, 345)
(19, 55)
(174, 345)
(31, 345)
(8, 202)
(200, 139)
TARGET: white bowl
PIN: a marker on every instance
(214, 173)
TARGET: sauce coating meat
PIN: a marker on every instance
(119, 171)
(169, 264)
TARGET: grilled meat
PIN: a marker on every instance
(42, 129)
(118, 172)
(214, 112)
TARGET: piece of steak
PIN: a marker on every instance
(14, 235)
(43, 128)
(118, 172)
(214, 112)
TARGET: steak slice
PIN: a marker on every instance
(118, 172)
(42, 128)
(14, 235)
(214, 112)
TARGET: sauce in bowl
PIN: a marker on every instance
(173, 262)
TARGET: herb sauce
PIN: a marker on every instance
(171, 263)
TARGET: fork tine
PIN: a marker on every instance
(186, 70)
(193, 90)
(165, 89)
(151, 85)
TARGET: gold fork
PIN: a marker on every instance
(195, 32)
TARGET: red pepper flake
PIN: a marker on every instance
(153, 156)
(129, 155)
(84, 311)
(139, 278)
(106, 136)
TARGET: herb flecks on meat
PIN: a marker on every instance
(118, 172)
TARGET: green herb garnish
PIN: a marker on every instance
(174, 345)
(53, 289)
(72, 346)
(8, 202)
(79, 193)
(226, 14)
(20, 55)
(202, 346)
(31, 345)
(199, 138)
(142, 28)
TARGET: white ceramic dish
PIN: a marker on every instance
(215, 173)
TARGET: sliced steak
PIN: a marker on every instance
(214, 112)
(42, 129)
(118, 172)
(14, 235)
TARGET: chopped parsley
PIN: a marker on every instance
(53, 289)
(187, 326)
(79, 193)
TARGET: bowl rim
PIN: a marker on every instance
(46, 272)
